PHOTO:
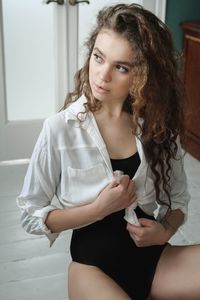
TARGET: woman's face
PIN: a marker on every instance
(110, 68)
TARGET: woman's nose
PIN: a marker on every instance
(105, 74)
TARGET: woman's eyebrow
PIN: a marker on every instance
(97, 49)
(127, 63)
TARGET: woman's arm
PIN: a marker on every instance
(114, 197)
(43, 177)
(62, 219)
(172, 220)
(152, 232)
(40, 183)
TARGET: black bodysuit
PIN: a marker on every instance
(108, 245)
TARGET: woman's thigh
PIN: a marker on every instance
(89, 283)
(177, 274)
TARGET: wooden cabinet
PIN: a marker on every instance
(191, 77)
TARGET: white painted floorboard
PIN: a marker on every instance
(29, 269)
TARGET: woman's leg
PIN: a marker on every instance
(89, 283)
(177, 275)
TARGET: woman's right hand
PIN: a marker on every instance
(116, 196)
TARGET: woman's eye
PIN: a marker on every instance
(122, 69)
(97, 58)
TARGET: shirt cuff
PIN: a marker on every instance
(42, 214)
(50, 235)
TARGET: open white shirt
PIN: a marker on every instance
(70, 160)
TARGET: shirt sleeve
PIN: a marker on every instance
(179, 188)
(40, 184)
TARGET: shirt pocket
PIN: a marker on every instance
(86, 184)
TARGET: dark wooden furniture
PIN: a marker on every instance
(191, 77)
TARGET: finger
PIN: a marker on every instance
(133, 199)
(146, 222)
(135, 240)
(131, 188)
(124, 181)
(134, 229)
(132, 236)
(130, 200)
(112, 184)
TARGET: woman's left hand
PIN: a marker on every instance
(149, 233)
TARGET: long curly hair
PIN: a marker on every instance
(156, 95)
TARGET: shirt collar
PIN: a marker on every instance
(76, 112)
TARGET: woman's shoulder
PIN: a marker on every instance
(69, 113)
(56, 121)
(66, 119)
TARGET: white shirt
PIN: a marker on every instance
(70, 160)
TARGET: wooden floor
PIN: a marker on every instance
(29, 269)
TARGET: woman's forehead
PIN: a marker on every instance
(113, 45)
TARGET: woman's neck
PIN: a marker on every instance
(110, 111)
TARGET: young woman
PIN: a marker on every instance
(126, 113)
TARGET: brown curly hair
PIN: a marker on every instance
(156, 95)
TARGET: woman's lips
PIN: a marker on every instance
(100, 89)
